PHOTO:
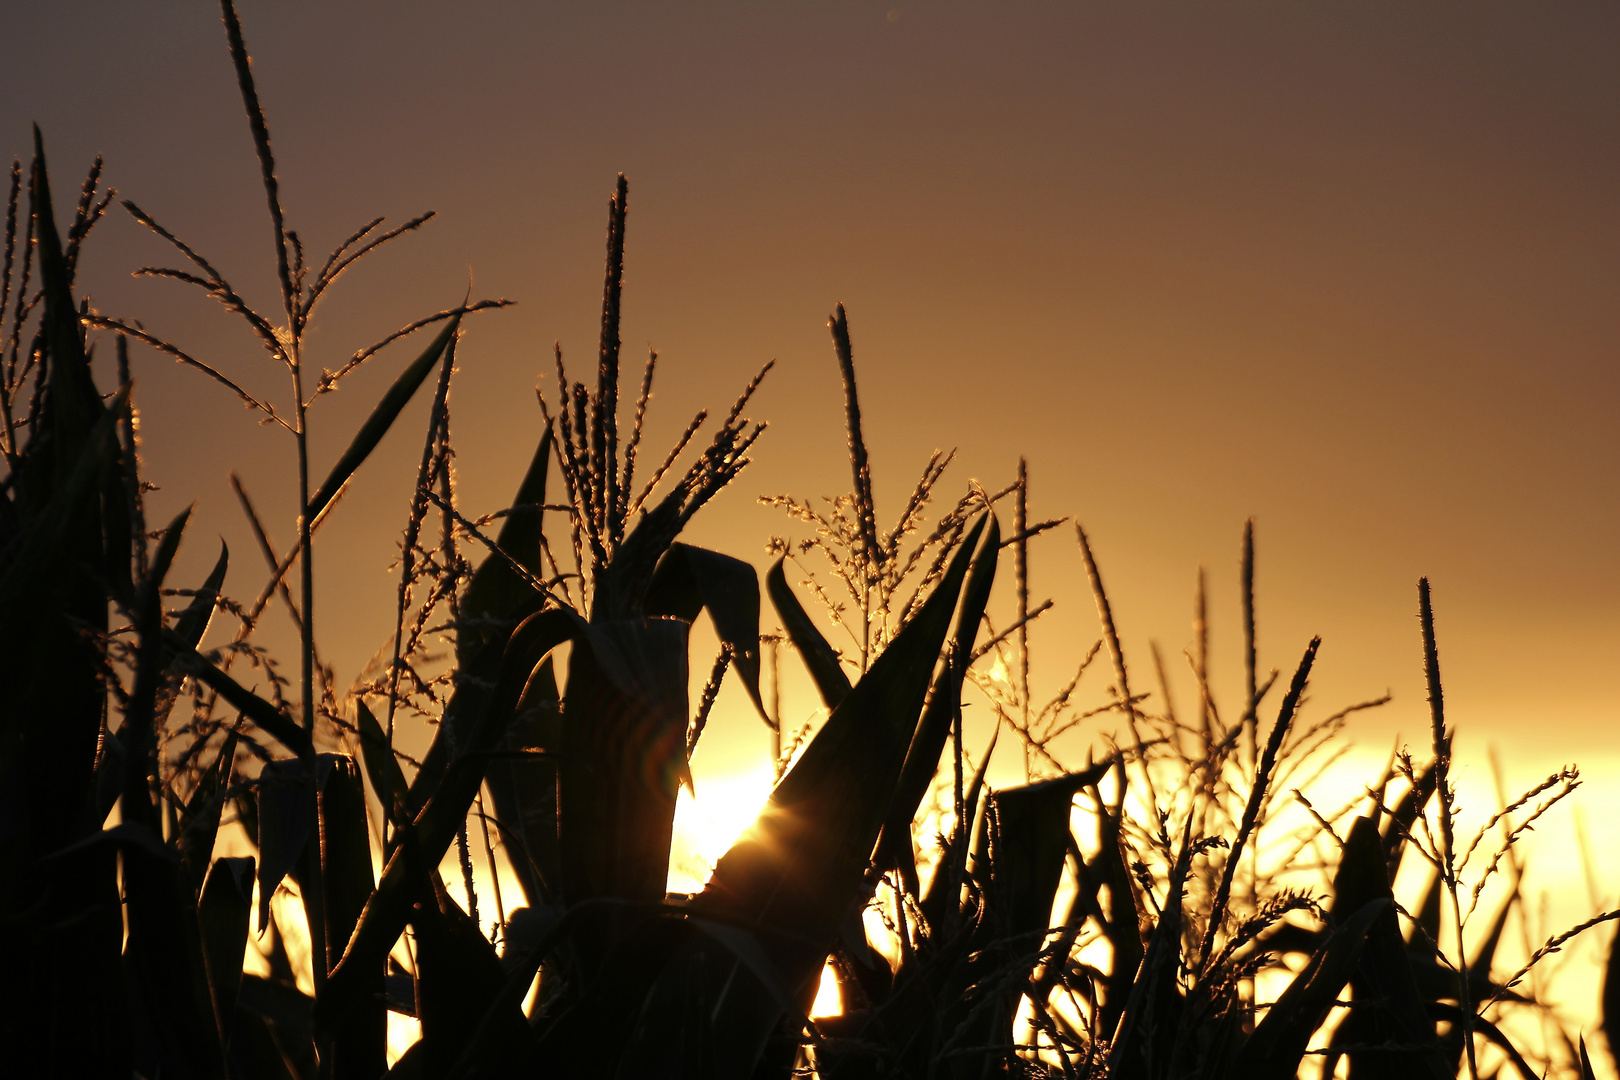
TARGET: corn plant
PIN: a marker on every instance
(1170, 890)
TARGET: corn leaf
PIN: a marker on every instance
(72, 404)
(458, 979)
(1403, 816)
(382, 769)
(688, 580)
(922, 756)
(1154, 1006)
(1393, 1012)
(1274, 1051)
(223, 914)
(524, 792)
(165, 962)
(190, 628)
(496, 590)
(819, 656)
(388, 910)
(1611, 1002)
(202, 813)
(381, 419)
(38, 560)
(1032, 843)
(1451, 1014)
(1124, 913)
(468, 704)
(286, 815)
(623, 762)
(193, 622)
(798, 871)
(360, 1043)
(282, 1012)
(941, 899)
(272, 720)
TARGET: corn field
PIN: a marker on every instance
(1130, 915)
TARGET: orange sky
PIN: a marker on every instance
(1349, 268)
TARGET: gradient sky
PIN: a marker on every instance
(1351, 268)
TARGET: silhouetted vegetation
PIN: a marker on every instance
(1115, 917)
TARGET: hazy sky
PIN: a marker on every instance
(1351, 268)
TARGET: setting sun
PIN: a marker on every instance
(708, 823)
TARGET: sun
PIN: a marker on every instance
(709, 822)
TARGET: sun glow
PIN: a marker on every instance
(708, 823)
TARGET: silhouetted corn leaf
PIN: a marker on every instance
(223, 914)
(73, 405)
(922, 756)
(688, 580)
(388, 909)
(1611, 1001)
(520, 967)
(525, 791)
(1403, 816)
(255, 1054)
(360, 1043)
(138, 730)
(201, 818)
(193, 622)
(165, 962)
(496, 590)
(1391, 1010)
(286, 814)
(387, 781)
(1451, 1014)
(1436, 980)
(382, 418)
(190, 628)
(941, 899)
(799, 869)
(38, 560)
(1031, 846)
(1018, 858)
(623, 761)
(458, 978)
(819, 657)
(1274, 1051)
(284, 1012)
(272, 720)
(1154, 1006)
(468, 704)
(1123, 917)
(53, 610)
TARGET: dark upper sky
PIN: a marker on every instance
(1352, 268)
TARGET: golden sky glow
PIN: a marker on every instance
(1350, 268)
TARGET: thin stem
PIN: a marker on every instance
(1021, 579)
(306, 639)
(1249, 721)
(1442, 780)
(494, 874)
(292, 351)
(267, 161)
(1257, 794)
(1116, 652)
(1201, 657)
